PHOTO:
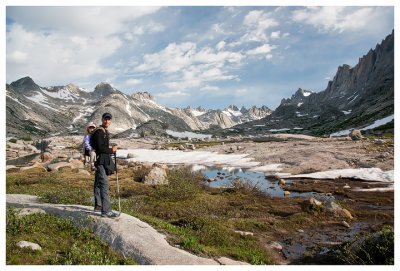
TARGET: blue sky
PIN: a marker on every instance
(192, 56)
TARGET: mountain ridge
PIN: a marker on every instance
(29, 106)
(355, 97)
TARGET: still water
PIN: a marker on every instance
(224, 178)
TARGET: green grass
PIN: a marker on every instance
(193, 216)
(62, 243)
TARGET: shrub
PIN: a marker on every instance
(183, 185)
(374, 248)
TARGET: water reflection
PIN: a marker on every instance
(224, 177)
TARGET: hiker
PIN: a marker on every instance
(89, 153)
(100, 141)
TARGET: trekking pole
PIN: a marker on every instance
(116, 173)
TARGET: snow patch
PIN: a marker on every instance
(189, 158)
(39, 98)
(63, 94)
(198, 113)
(366, 174)
(379, 122)
(279, 130)
(187, 134)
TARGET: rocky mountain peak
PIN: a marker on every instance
(201, 109)
(104, 89)
(233, 107)
(25, 85)
(300, 96)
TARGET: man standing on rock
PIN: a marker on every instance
(100, 141)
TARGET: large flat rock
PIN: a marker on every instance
(126, 234)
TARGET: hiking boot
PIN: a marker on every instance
(110, 214)
(97, 209)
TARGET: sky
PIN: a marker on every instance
(209, 56)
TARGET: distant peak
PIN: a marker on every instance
(233, 107)
(23, 81)
(24, 85)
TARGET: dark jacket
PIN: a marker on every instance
(100, 141)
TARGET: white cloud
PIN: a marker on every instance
(133, 82)
(263, 49)
(57, 45)
(55, 58)
(187, 66)
(256, 23)
(221, 45)
(337, 19)
(87, 21)
(275, 35)
(17, 57)
(147, 28)
(172, 94)
(210, 88)
(241, 92)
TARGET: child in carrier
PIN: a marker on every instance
(89, 152)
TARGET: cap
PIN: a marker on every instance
(106, 115)
(91, 124)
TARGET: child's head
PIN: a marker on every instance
(90, 127)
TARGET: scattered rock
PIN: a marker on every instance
(346, 186)
(338, 211)
(130, 155)
(300, 230)
(30, 245)
(156, 176)
(35, 165)
(29, 211)
(275, 245)
(356, 135)
(190, 146)
(344, 223)
(245, 233)
(46, 157)
(76, 164)
(310, 204)
(181, 148)
(378, 141)
(286, 193)
(57, 166)
(281, 182)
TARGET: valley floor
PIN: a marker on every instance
(303, 238)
